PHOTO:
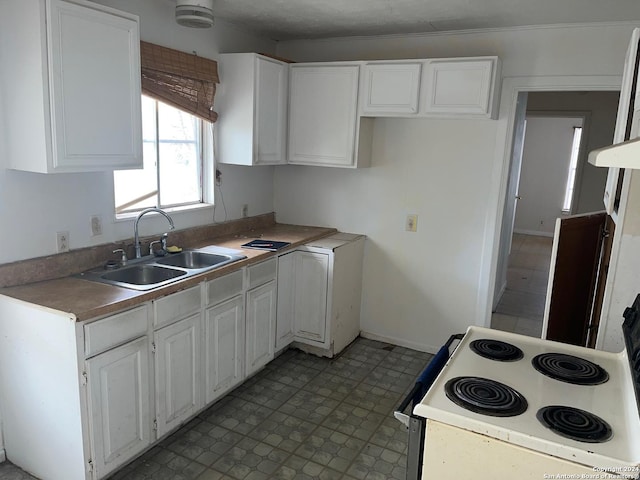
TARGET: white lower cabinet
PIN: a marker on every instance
(178, 373)
(260, 314)
(261, 326)
(108, 381)
(224, 342)
(119, 405)
(310, 304)
(319, 293)
(286, 300)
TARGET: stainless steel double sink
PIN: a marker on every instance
(151, 272)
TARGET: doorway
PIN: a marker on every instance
(537, 194)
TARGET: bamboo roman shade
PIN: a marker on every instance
(183, 80)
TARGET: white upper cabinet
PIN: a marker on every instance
(390, 88)
(252, 104)
(71, 82)
(461, 87)
(323, 114)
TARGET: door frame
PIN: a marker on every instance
(515, 172)
(511, 88)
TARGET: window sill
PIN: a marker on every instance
(125, 217)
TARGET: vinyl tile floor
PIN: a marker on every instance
(521, 307)
(301, 417)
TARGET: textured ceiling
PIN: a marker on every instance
(296, 19)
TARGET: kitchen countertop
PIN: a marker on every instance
(85, 300)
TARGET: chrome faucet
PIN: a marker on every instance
(136, 238)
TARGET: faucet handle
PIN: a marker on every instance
(163, 246)
(123, 256)
(151, 252)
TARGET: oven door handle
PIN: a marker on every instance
(426, 378)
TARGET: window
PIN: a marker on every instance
(573, 165)
(173, 162)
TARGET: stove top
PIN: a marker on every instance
(603, 406)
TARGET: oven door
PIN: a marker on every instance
(415, 424)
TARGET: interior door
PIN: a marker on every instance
(576, 262)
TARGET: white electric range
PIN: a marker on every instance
(509, 406)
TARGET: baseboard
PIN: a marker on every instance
(3, 456)
(401, 342)
(535, 233)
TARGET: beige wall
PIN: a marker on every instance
(419, 288)
(602, 108)
(543, 177)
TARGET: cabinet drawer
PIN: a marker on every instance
(261, 273)
(176, 306)
(224, 287)
(115, 330)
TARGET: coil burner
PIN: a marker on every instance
(569, 369)
(496, 350)
(575, 424)
(485, 396)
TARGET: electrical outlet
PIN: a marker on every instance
(411, 224)
(62, 242)
(96, 225)
(245, 210)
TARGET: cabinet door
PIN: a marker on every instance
(261, 326)
(322, 115)
(459, 87)
(286, 299)
(391, 88)
(119, 405)
(95, 88)
(178, 372)
(224, 351)
(270, 112)
(310, 311)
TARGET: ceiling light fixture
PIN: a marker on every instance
(194, 13)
